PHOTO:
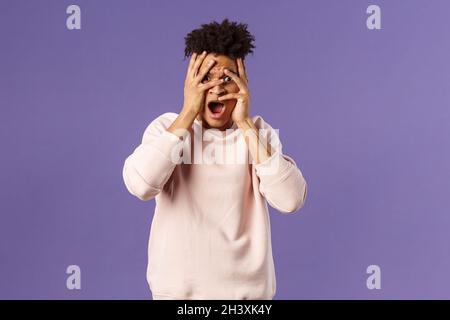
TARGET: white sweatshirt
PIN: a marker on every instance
(210, 236)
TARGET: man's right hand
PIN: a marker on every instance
(194, 94)
(194, 89)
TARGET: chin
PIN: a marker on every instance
(221, 124)
(214, 123)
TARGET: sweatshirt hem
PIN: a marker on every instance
(164, 296)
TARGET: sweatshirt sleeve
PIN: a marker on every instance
(149, 167)
(280, 180)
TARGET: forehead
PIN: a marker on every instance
(222, 62)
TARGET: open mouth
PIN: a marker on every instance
(216, 108)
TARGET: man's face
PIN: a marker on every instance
(218, 115)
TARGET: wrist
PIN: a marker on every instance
(244, 123)
(188, 112)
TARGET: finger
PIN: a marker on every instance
(198, 63)
(241, 69)
(242, 86)
(191, 63)
(205, 71)
(229, 96)
(210, 84)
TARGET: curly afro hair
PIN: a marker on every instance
(228, 38)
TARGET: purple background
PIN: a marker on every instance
(366, 115)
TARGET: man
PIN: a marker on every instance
(210, 235)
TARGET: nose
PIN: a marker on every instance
(217, 90)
